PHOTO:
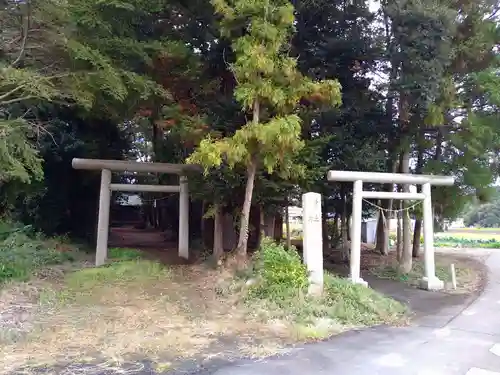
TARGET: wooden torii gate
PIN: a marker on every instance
(108, 166)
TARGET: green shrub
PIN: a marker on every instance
(280, 272)
(280, 293)
(22, 251)
(355, 304)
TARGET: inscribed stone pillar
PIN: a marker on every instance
(183, 218)
(103, 220)
(312, 238)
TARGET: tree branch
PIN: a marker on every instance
(9, 93)
(15, 100)
(26, 27)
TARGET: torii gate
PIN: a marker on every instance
(429, 281)
(107, 166)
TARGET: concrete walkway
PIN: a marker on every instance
(455, 341)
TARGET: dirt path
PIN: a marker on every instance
(154, 243)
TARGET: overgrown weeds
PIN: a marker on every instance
(22, 251)
(279, 288)
(279, 273)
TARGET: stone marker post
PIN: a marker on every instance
(312, 238)
(103, 220)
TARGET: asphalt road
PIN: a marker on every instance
(457, 341)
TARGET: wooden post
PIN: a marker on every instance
(103, 220)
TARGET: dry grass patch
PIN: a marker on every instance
(136, 309)
(469, 272)
(132, 309)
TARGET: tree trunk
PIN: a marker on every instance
(242, 247)
(287, 224)
(417, 232)
(335, 226)
(382, 241)
(269, 225)
(345, 242)
(159, 214)
(344, 230)
(157, 140)
(218, 233)
(325, 232)
(202, 221)
(262, 225)
(245, 212)
(383, 238)
(383, 223)
(348, 226)
(406, 251)
(154, 213)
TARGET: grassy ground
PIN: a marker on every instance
(469, 272)
(473, 234)
(475, 230)
(135, 309)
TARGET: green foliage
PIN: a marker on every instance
(24, 84)
(422, 33)
(65, 200)
(90, 68)
(485, 214)
(470, 146)
(87, 67)
(266, 75)
(18, 156)
(83, 53)
(280, 272)
(22, 252)
(270, 85)
(252, 138)
(281, 281)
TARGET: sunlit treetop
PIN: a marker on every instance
(267, 78)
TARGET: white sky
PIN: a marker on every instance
(373, 5)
